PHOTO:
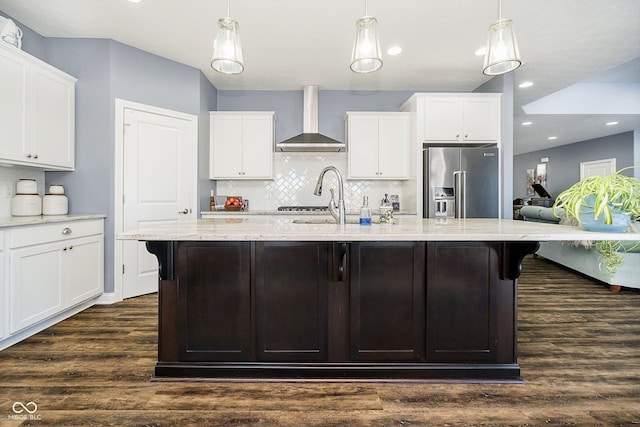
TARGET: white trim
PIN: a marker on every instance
(107, 299)
(120, 106)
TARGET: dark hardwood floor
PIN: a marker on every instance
(579, 347)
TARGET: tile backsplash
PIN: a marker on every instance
(295, 179)
(9, 175)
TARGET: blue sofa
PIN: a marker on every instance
(585, 260)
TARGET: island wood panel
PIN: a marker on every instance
(242, 312)
(214, 301)
(292, 283)
(387, 301)
(470, 310)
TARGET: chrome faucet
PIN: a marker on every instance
(338, 212)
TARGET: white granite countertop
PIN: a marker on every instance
(405, 229)
(16, 221)
(354, 212)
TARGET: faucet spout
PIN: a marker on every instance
(339, 212)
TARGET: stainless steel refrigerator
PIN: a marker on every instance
(461, 182)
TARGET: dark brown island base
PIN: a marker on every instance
(419, 300)
(338, 310)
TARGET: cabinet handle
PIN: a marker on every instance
(66, 231)
(35, 156)
(70, 247)
(184, 211)
(239, 173)
(28, 156)
(466, 136)
(64, 249)
(458, 136)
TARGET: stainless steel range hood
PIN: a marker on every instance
(310, 139)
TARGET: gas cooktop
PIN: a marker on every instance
(302, 208)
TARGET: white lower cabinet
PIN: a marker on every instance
(53, 267)
(4, 307)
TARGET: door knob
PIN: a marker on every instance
(184, 211)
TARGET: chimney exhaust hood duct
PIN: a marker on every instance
(310, 139)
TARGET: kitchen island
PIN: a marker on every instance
(252, 298)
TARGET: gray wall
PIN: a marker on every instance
(208, 102)
(504, 84)
(332, 106)
(563, 168)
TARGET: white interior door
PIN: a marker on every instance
(597, 168)
(159, 176)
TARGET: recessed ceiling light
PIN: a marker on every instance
(135, 1)
(480, 52)
(526, 123)
(525, 84)
(394, 50)
(611, 123)
(552, 138)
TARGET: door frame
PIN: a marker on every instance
(118, 246)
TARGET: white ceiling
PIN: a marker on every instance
(291, 43)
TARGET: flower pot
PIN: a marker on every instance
(619, 221)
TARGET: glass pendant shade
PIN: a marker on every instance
(227, 51)
(366, 57)
(502, 53)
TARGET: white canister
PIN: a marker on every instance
(26, 205)
(55, 204)
(26, 186)
(56, 189)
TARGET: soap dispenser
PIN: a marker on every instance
(365, 212)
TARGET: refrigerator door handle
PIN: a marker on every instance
(459, 189)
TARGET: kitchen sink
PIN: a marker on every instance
(329, 221)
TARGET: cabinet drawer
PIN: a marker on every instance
(39, 234)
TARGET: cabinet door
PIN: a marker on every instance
(52, 128)
(466, 303)
(84, 270)
(4, 303)
(36, 284)
(13, 108)
(387, 301)
(481, 117)
(214, 301)
(226, 146)
(393, 146)
(257, 149)
(292, 282)
(363, 146)
(442, 119)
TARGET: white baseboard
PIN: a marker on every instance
(108, 298)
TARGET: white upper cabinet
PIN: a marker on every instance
(241, 145)
(459, 118)
(378, 145)
(37, 112)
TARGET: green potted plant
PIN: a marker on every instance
(602, 203)
(605, 203)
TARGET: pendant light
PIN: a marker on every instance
(366, 57)
(227, 51)
(502, 53)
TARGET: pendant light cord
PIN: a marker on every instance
(499, 9)
(228, 8)
(366, 8)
